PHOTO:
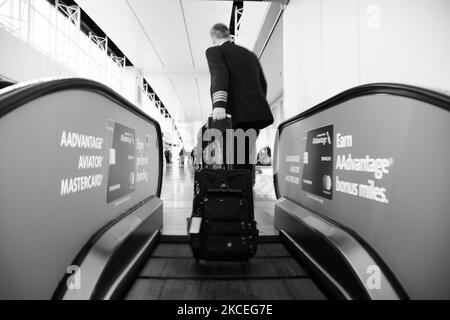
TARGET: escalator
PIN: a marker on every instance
(362, 211)
(171, 273)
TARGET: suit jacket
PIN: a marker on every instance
(238, 85)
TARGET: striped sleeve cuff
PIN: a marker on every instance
(220, 99)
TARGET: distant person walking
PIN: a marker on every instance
(168, 156)
(182, 158)
(238, 88)
(192, 155)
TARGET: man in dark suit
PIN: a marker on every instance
(239, 88)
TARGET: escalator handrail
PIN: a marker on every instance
(5, 83)
(18, 95)
(438, 99)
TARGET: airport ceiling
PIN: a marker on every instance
(167, 40)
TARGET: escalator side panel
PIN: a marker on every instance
(343, 257)
(110, 257)
(373, 162)
(60, 142)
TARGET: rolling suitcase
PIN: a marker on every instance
(222, 226)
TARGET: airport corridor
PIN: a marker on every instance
(178, 193)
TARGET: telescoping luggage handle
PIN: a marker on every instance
(227, 120)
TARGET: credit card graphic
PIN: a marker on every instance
(122, 161)
(318, 163)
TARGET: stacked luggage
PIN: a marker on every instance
(222, 226)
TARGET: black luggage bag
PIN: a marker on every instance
(222, 226)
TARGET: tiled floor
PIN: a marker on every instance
(177, 194)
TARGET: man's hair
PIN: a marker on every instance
(220, 31)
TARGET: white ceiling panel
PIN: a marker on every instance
(200, 17)
(186, 87)
(186, 96)
(164, 88)
(117, 20)
(163, 22)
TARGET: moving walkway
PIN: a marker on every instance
(362, 182)
(172, 273)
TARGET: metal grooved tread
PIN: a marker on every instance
(172, 274)
(176, 250)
